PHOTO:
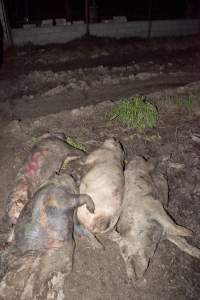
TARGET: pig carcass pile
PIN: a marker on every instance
(48, 205)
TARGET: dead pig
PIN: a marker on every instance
(43, 235)
(47, 220)
(104, 182)
(45, 158)
(144, 221)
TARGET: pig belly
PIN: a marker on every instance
(106, 192)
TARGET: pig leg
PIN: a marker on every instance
(175, 232)
(155, 208)
(67, 160)
(82, 231)
(182, 244)
(86, 199)
(79, 200)
(17, 200)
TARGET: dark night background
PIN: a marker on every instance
(21, 11)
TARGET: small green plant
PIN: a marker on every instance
(137, 113)
(184, 104)
(74, 143)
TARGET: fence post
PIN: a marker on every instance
(150, 18)
(6, 27)
(87, 17)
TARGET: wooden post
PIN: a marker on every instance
(8, 41)
(27, 17)
(87, 17)
(68, 11)
(150, 18)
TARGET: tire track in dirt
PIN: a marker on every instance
(22, 108)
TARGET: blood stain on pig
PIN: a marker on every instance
(32, 166)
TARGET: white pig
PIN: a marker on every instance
(104, 183)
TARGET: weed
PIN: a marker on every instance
(74, 143)
(136, 113)
(184, 104)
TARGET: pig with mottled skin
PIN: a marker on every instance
(45, 159)
(104, 182)
(144, 221)
(43, 238)
(46, 221)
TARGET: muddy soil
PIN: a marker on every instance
(34, 100)
(36, 81)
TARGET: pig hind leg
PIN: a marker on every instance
(175, 232)
(182, 244)
(74, 201)
(158, 213)
(17, 200)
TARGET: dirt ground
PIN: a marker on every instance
(72, 89)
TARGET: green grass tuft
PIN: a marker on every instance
(76, 144)
(185, 104)
(136, 113)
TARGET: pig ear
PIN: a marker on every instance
(139, 264)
